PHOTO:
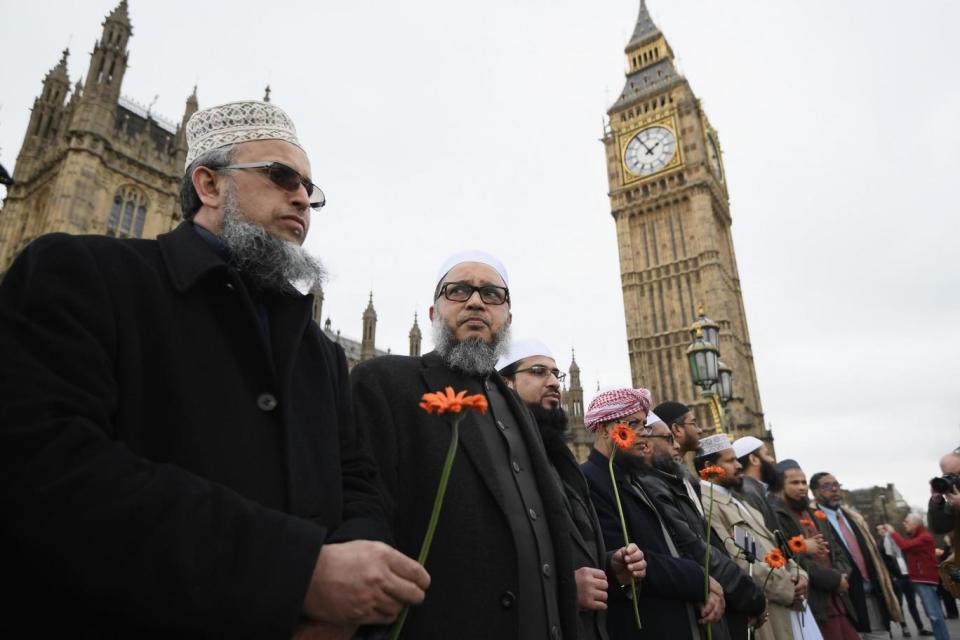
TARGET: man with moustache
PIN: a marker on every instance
(178, 456)
(531, 370)
(501, 561)
(671, 595)
(871, 589)
(759, 474)
(686, 440)
(827, 567)
(784, 588)
(664, 484)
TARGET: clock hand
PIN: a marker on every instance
(644, 146)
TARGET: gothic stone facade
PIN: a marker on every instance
(93, 161)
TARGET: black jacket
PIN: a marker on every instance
(165, 467)
(753, 493)
(472, 563)
(824, 580)
(744, 596)
(673, 584)
(586, 537)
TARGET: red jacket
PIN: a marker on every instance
(918, 551)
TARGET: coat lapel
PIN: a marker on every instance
(437, 376)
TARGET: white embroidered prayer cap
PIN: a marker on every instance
(525, 348)
(713, 444)
(237, 122)
(473, 255)
(746, 444)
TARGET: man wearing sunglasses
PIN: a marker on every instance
(531, 370)
(501, 561)
(177, 450)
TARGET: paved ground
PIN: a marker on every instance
(952, 625)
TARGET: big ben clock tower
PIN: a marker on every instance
(668, 198)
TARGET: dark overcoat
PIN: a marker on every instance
(824, 580)
(168, 466)
(586, 536)
(672, 583)
(473, 560)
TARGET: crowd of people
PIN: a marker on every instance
(184, 454)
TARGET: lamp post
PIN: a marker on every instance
(714, 378)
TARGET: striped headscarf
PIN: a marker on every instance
(616, 403)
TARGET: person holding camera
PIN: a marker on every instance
(918, 551)
(944, 507)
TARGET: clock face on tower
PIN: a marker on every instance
(650, 151)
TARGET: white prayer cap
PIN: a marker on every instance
(473, 256)
(237, 122)
(713, 444)
(746, 444)
(526, 348)
(652, 419)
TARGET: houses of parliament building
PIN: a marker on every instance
(94, 162)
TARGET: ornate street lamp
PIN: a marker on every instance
(707, 372)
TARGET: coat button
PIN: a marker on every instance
(516, 466)
(533, 513)
(554, 633)
(501, 426)
(507, 599)
(546, 571)
(230, 286)
(266, 402)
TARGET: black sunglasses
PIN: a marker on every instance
(286, 178)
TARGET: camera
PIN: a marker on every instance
(945, 484)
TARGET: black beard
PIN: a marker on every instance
(768, 473)
(552, 422)
(797, 505)
(632, 464)
(664, 462)
(732, 482)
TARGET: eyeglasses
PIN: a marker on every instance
(541, 371)
(286, 178)
(830, 486)
(461, 292)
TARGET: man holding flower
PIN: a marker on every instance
(501, 560)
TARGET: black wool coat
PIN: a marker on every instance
(166, 467)
(671, 584)
(473, 560)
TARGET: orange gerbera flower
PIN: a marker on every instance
(806, 522)
(623, 436)
(775, 559)
(712, 472)
(819, 515)
(447, 401)
(797, 544)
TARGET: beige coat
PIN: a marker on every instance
(728, 513)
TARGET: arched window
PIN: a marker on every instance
(122, 223)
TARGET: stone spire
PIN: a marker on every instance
(367, 348)
(415, 338)
(108, 62)
(48, 120)
(644, 30)
(581, 441)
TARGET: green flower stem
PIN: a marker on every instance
(706, 562)
(626, 537)
(434, 516)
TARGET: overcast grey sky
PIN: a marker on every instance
(436, 125)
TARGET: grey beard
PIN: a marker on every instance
(473, 356)
(269, 263)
